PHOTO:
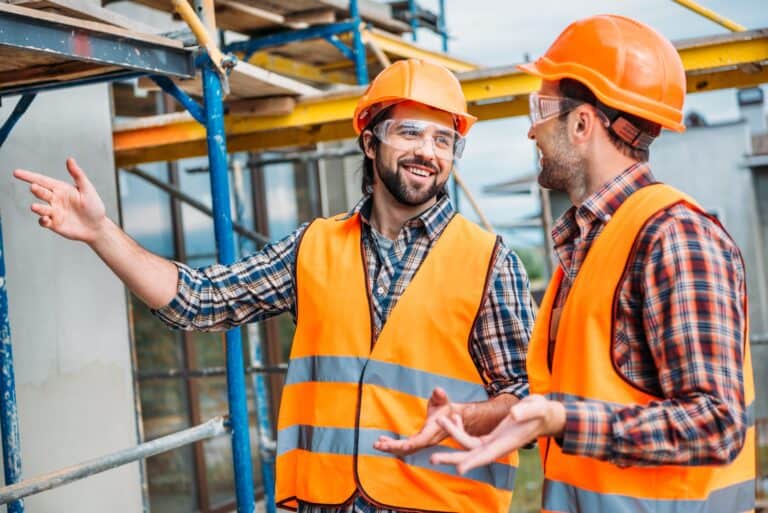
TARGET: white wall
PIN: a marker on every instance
(67, 311)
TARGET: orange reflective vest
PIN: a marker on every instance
(582, 367)
(342, 392)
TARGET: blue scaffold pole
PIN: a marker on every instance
(225, 244)
(361, 65)
(9, 418)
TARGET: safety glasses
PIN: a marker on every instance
(542, 107)
(413, 134)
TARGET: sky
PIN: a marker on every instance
(503, 32)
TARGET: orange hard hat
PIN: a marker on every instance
(626, 64)
(418, 81)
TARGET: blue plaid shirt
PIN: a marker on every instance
(263, 284)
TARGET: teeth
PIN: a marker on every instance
(418, 171)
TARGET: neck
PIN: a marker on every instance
(389, 215)
(599, 172)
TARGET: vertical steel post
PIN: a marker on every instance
(238, 408)
(442, 27)
(9, 418)
(361, 66)
(412, 11)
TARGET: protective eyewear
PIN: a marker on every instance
(542, 107)
(413, 134)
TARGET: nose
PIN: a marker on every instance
(426, 149)
(531, 133)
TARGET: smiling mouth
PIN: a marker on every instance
(418, 171)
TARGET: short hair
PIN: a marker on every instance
(382, 115)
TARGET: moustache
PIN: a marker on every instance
(416, 161)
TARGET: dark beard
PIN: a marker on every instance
(397, 187)
(562, 167)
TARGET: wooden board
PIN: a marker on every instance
(85, 10)
(246, 81)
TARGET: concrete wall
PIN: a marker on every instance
(68, 317)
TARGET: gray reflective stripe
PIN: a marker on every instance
(560, 396)
(316, 439)
(342, 441)
(565, 498)
(330, 369)
(347, 369)
(420, 383)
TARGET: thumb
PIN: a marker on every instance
(438, 397)
(78, 175)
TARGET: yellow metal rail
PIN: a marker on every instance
(731, 60)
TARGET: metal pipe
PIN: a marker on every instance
(249, 47)
(201, 33)
(340, 46)
(442, 26)
(18, 111)
(210, 429)
(167, 85)
(413, 18)
(192, 202)
(222, 222)
(206, 372)
(711, 15)
(361, 65)
(9, 417)
(475, 206)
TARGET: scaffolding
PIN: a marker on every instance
(733, 60)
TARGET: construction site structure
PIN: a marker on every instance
(280, 77)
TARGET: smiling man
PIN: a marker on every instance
(405, 311)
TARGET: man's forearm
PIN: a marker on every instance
(152, 278)
(482, 417)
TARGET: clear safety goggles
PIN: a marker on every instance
(542, 107)
(413, 134)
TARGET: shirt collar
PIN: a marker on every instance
(433, 220)
(602, 204)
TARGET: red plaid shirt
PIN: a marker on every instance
(679, 335)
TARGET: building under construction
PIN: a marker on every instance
(233, 118)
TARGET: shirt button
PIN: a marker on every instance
(606, 218)
(380, 291)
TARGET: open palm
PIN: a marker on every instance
(73, 211)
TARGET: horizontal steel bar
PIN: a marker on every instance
(197, 205)
(208, 372)
(84, 44)
(289, 36)
(210, 429)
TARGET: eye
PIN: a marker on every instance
(443, 141)
(409, 132)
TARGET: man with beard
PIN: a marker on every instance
(639, 364)
(404, 311)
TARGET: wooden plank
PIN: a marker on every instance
(246, 81)
(241, 17)
(276, 106)
(312, 17)
(89, 25)
(85, 10)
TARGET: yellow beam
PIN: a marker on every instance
(711, 15)
(734, 60)
(300, 70)
(402, 49)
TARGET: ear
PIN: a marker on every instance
(583, 124)
(367, 146)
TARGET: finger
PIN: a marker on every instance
(41, 192)
(438, 397)
(32, 177)
(77, 174)
(42, 210)
(456, 430)
(45, 222)
(448, 457)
